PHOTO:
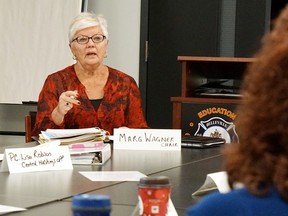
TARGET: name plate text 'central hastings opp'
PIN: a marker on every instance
(33, 159)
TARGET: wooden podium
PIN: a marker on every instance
(207, 115)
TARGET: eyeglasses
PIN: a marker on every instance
(83, 39)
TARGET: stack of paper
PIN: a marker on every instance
(86, 145)
(73, 136)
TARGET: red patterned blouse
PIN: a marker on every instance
(121, 105)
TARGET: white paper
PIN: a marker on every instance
(113, 175)
(6, 209)
(221, 181)
(1, 157)
(214, 181)
(171, 209)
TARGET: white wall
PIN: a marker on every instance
(34, 43)
(123, 17)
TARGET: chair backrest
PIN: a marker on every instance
(29, 124)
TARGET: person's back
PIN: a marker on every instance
(240, 202)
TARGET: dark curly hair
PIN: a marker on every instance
(260, 159)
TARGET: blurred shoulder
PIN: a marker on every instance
(219, 204)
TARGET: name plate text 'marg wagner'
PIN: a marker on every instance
(147, 139)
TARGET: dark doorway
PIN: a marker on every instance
(175, 28)
(172, 28)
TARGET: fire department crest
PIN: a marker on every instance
(217, 127)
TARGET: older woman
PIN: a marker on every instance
(260, 160)
(89, 93)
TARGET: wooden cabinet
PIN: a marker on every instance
(192, 111)
(197, 69)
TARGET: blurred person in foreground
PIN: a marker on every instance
(89, 93)
(260, 161)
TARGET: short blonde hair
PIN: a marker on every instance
(86, 20)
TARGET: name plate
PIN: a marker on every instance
(20, 160)
(147, 139)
